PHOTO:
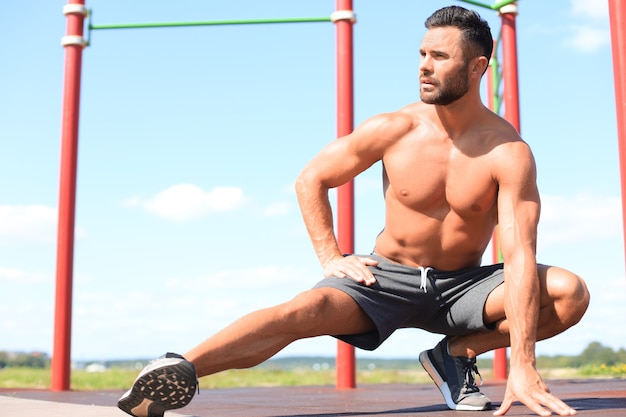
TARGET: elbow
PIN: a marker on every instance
(307, 183)
(302, 184)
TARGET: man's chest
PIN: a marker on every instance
(436, 182)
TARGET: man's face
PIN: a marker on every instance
(444, 72)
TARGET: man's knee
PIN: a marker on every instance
(569, 294)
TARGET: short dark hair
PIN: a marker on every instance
(475, 30)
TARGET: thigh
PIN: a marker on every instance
(329, 311)
(553, 283)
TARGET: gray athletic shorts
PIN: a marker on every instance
(445, 302)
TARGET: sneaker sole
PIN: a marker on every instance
(442, 385)
(166, 387)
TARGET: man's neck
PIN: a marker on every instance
(456, 118)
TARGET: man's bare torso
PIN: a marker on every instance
(440, 193)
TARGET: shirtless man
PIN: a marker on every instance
(452, 171)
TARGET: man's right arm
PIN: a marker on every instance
(339, 162)
(317, 214)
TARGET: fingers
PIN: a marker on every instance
(558, 406)
(546, 399)
(502, 410)
(505, 406)
(538, 409)
(353, 267)
(368, 261)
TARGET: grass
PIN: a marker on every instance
(617, 371)
(119, 378)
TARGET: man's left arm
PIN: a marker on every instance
(518, 217)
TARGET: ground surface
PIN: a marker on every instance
(605, 398)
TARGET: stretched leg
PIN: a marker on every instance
(170, 382)
(563, 301)
(261, 334)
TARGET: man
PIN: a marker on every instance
(452, 170)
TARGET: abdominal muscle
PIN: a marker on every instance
(415, 239)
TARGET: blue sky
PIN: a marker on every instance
(191, 138)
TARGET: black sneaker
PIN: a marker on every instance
(167, 383)
(454, 376)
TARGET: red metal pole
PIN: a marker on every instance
(344, 20)
(512, 114)
(73, 43)
(492, 93)
(500, 355)
(509, 66)
(491, 88)
(491, 103)
(617, 16)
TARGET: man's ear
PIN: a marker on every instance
(479, 65)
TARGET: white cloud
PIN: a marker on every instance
(586, 38)
(184, 202)
(582, 217)
(590, 9)
(277, 209)
(246, 279)
(593, 30)
(28, 223)
(22, 277)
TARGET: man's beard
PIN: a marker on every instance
(453, 90)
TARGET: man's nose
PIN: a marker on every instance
(425, 66)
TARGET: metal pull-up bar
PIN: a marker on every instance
(91, 27)
(495, 6)
(209, 23)
(74, 43)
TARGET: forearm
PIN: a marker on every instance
(521, 305)
(318, 219)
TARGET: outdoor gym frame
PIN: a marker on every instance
(344, 18)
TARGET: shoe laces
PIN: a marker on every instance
(470, 371)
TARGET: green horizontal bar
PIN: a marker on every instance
(496, 6)
(500, 4)
(209, 23)
(477, 3)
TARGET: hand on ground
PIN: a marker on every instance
(527, 386)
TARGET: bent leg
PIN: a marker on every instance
(257, 336)
(563, 301)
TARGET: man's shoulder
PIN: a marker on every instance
(414, 110)
(394, 124)
(410, 116)
(502, 134)
(512, 157)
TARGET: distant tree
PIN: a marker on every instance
(33, 360)
(21, 359)
(596, 354)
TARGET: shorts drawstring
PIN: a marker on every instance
(424, 276)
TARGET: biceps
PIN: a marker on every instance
(337, 164)
(518, 216)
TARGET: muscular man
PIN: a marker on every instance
(452, 171)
